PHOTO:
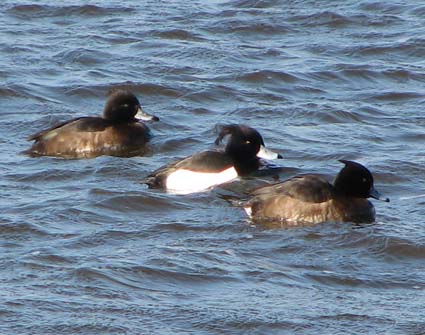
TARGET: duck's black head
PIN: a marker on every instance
(244, 142)
(245, 145)
(355, 180)
(123, 106)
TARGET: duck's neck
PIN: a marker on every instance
(246, 167)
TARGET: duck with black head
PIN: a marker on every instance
(311, 199)
(201, 171)
(118, 133)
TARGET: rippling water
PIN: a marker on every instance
(87, 249)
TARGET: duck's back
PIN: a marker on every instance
(306, 188)
(88, 137)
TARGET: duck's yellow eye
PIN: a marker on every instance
(247, 142)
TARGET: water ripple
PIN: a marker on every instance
(29, 11)
(87, 248)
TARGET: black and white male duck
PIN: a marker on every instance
(204, 170)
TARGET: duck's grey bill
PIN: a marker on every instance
(376, 195)
(141, 115)
(267, 154)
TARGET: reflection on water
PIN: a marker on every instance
(87, 248)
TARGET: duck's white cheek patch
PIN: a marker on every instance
(186, 181)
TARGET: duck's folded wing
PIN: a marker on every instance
(206, 161)
(306, 188)
(80, 124)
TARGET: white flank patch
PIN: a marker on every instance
(186, 181)
(248, 211)
(50, 135)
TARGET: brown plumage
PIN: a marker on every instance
(310, 199)
(118, 132)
